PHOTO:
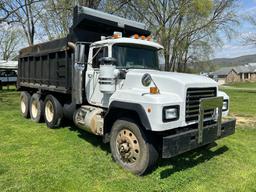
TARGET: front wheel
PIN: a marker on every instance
(131, 148)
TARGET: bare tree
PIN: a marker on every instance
(56, 17)
(250, 38)
(23, 13)
(9, 42)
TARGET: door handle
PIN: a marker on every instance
(89, 75)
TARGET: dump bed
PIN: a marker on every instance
(46, 66)
(49, 66)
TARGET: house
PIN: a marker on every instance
(236, 74)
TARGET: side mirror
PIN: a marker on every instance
(80, 53)
(146, 80)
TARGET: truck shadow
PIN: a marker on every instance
(189, 160)
(93, 139)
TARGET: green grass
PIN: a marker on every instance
(243, 102)
(243, 85)
(35, 158)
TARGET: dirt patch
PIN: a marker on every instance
(246, 120)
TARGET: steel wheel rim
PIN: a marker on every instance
(22, 105)
(128, 147)
(34, 108)
(49, 111)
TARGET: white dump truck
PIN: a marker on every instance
(105, 77)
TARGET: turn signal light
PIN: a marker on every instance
(154, 90)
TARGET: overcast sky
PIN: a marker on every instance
(235, 47)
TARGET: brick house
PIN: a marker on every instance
(236, 74)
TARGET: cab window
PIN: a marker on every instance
(97, 54)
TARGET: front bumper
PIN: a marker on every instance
(179, 143)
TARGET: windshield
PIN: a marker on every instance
(135, 56)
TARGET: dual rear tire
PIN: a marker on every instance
(39, 109)
(36, 108)
(53, 112)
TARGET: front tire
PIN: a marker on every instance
(25, 103)
(53, 112)
(131, 148)
(36, 108)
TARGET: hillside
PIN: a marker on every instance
(228, 62)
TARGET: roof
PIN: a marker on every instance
(249, 68)
(129, 40)
(223, 71)
(8, 64)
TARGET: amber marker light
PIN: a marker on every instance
(115, 36)
(136, 36)
(143, 37)
(154, 90)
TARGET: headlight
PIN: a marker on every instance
(171, 113)
(225, 105)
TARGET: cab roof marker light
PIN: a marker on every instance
(135, 36)
(117, 35)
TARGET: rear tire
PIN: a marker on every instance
(36, 108)
(131, 148)
(25, 103)
(53, 112)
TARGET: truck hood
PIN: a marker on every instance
(167, 81)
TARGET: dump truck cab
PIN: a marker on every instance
(125, 52)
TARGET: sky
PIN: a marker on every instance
(236, 47)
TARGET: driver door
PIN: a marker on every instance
(93, 94)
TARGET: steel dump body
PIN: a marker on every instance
(46, 66)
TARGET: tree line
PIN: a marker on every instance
(188, 29)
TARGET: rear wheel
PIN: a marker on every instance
(53, 112)
(131, 148)
(36, 108)
(25, 103)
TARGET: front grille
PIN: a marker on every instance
(192, 102)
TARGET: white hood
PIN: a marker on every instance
(167, 81)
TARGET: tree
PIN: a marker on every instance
(250, 38)
(9, 42)
(25, 13)
(180, 24)
(56, 17)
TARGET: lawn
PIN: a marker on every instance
(243, 85)
(243, 102)
(35, 158)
